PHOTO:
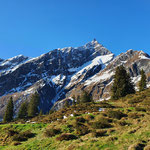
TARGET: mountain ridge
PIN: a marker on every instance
(58, 73)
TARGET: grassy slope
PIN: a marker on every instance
(134, 127)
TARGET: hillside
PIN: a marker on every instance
(62, 73)
(122, 124)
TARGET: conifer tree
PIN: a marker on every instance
(33, 105)
(142, 82)
(41, 113)
(8, 116)
(85, 97)
(122, 83)
(23, 113)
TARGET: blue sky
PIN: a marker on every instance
(34, 27)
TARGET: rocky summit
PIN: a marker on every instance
(62, 73)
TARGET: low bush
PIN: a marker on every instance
(122, 123)
(112, 138)
(146, 102)
(135, 115)
(115, 114)
(67, 128)
(80, 119)
(140, 109)
(135, 100)
(28, 134)
(105, 105)
(76, 114)
(23, 136)
(16, 143)
(89, 117)
(19, 137)
(51, 132)
(101, 123)
(99, 133)
(81, 129)
(11, 132)
(66, 136)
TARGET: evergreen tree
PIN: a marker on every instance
(23, 113)
(8, 116)
(142, 82)
(85, 97)
(122, 83)
(41, 113)
(33, 105)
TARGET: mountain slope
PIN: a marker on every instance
(114, 124)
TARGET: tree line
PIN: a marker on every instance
(27, 110)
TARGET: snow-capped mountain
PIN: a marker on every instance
(62, 73)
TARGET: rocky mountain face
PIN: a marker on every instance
(62, 73)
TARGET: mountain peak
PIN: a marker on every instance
(93, 44)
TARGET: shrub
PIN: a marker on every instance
(11, 132)
(122, 123)
(75, 114)
(19, 137)
(66, 136)
(146, 102)
(135, 115)
(28, 134)
(51, 132)
(99, 133)
(16, 143)
(135, 100)
(80, 119)
(89, 117)
(101, 123)
(23, 136)
(113, 138)
(67, 128)
(140, 109)
(105, 105)
(82, 130)
(115, 114)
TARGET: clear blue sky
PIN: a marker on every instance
(34, 27)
